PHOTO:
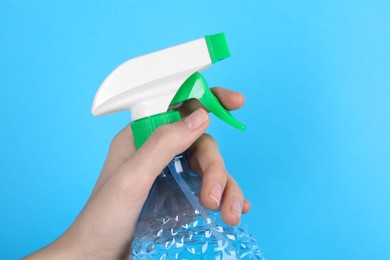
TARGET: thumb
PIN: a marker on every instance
(136, 176)
(168, 141)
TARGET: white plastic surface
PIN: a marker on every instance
(146, 85)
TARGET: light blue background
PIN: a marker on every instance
(314, 162)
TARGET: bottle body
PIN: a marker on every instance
(174, 224)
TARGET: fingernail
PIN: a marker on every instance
(216, 193)
(236, 208)
(196, 119)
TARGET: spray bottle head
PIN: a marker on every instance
(146, 85)
(150, 84)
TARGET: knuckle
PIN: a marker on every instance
(206, 138)
(216, 167)
(216, 170)
(234, 188)
(204, 142)
(116, 141)
(122, 146)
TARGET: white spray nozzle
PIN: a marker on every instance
(146, 85)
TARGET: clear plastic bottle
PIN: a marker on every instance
(174, 224)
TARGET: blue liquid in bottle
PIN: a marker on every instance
(174, 224)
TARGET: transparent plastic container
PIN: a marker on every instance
(174, 224)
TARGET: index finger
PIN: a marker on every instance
(231, 100)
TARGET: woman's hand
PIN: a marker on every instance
(105, 227)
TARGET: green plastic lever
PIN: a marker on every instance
(196, 87)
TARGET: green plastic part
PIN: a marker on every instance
(218, 47)
(196, 87)
(144, 127)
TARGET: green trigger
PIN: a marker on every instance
(196, 87)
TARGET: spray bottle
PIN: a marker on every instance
(174, 224)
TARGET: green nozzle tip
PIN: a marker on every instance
(218, 47)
